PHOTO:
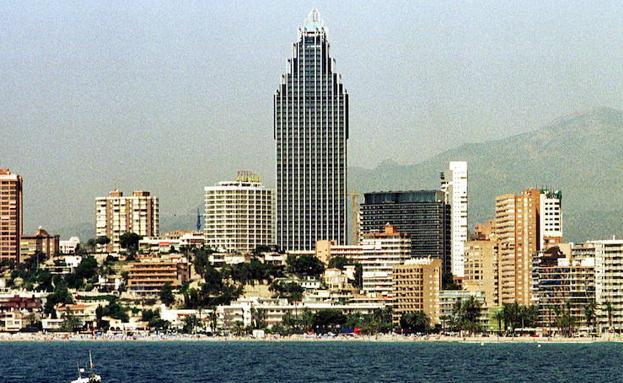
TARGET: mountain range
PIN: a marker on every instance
(579, 154)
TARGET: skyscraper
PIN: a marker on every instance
(11, 215)
(311, 133)
(116, 215)
(422, 214)
(454, 184)
(522, 228)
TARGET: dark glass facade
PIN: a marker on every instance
(311, 133)
(423, 215)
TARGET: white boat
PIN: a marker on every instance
(91, 376)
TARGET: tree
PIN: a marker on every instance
(103, 240)
(589, 315)
(129, 242)
(292, 291)
(166, 295)
(70, 322)
(190, 323)
(258, 318)
(359, 276)
(60, 295)
(304, 265)
(329, 319)
(338, 262)
(609, 309)
(87, 270)
(499, 317)
(412, 322)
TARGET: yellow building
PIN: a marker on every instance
(416, 285)
(148, 277)
(481, 270)
(41, 241)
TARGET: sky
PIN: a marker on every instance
(173, 96)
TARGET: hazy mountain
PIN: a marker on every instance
(582, 155)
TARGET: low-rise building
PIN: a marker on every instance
(69, 246)
(448, 300)
(146, 278)
(39, 242)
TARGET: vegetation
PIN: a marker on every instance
(304, 266)
(518, 316)
(415, 322)
(292, 291)
(166, 295)
(129, 242)
(253, 271)
(466, 315)
(60, 295)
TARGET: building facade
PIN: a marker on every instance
(311, 134)
(147, 278)
(481, 270)
(11, 215)
(238, 214)
(454, 185)
(39, 242)
(423, 215)
(416, 285)
(117, 214)
(521, 229)
(608, 276)
(560, 284)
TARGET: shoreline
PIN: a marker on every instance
(153, 338)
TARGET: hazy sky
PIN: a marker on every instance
(171, 96)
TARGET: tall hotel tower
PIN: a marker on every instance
(311, 132)
(454, 185)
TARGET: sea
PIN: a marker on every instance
(317, 361)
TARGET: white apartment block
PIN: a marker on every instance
(454, 185)
(550, 217)
(608, 281)
(238, 214)
(117, 214)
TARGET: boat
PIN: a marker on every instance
(91, 376)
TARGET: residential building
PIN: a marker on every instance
(521, 230)
(608, 281)
(11, 215)
(39, 242)
(416, 285)
(238, 214)
(454, 185)
(381, 251)
(560, 284)
(424, 215)
(311, 135)
(146, 278)
(117, 214)
(69, 246)
(481, 270)
(325, 250)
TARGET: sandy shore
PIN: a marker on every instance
(62, 337)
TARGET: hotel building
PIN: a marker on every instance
(39, 242)
(481, 270)
(117, 214)
(311, 134)
(11, 215)
(416, 286)
(238, 214)
(423, 215)
(454, 185)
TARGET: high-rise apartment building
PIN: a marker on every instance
(238, 214)
(378, 253)
(11, 215)
(520, 229)
(416, 284)
(550, 218)
(117, 214)
(562, 283)
(481, 269)
(423, 215)
(454, 185)
(311, 133)
(608, 256)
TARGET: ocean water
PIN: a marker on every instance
(143, 362)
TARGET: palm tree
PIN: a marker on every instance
(589, 315)
(499, 317)
(258, 317)
(609, 310)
